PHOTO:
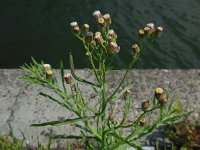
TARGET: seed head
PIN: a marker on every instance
(113, 47)
(135, 49)
(68, 78)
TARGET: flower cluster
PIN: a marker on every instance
(107, 38)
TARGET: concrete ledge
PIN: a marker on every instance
(21, 106)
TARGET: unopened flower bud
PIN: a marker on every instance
(143, 121)
(46, 66)
(127, 94)
(113, 47)
(151, 26)
(49, 73)
(107, 19)
(112, 36)
(97, 14)
(141, 33)
(68, 78)
(145, 105)
(135, 49)
(158, 93)
(159, 31)
(85, 28)
(89, 37)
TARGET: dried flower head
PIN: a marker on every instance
(135, 49)
(97, 14)
(163, 99)
(68, 78)
(46, 66)
(145, 105)
(113, 47)
(77, 30)
(107, 19)
(143, 121)
(49, 73)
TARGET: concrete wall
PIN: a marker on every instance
(20, 104)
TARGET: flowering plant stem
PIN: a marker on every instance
(107, 131)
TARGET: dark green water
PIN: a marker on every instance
(41, 29)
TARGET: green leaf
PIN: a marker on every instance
(62, 75)
(64, 122)
(55, 100)
(76, 77)
(85, 140)
(122, 147)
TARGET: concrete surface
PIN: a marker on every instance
(20, 104)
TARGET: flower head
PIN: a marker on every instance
(89, 37)
(86, 28)
(112, 36)
(68, 78)
(49, 73)
(113, 47)
(158, 92)
(151, 26)
(127, 94)
(135, 49)
(143, 121)
(159, 31)
(46, 66)
(98, 37)
(97, 14)
(141, 33)
(145, 105)
(75, 28)
(107, 19)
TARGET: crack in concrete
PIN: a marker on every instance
(11, 116)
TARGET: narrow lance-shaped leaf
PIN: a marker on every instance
(64, 122)
(62, 75)
(75, 76)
